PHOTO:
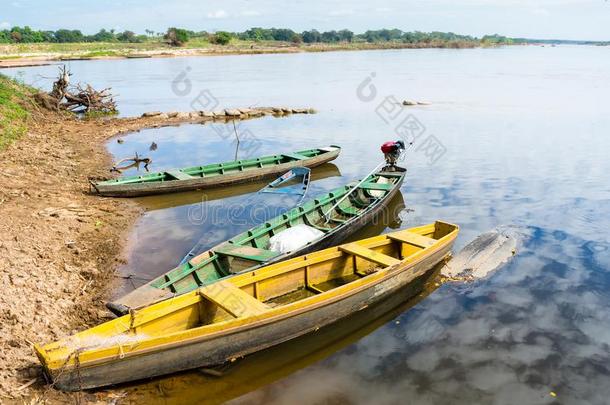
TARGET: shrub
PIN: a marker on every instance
(63, 36)
(177, 36)
(296, 38)
(221, 38)
(127, 36)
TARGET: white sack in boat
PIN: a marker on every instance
(293, 238)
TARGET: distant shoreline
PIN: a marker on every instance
(14, 55)
(43, 54)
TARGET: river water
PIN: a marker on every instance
(513, 135)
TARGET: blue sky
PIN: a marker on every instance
(566, 19)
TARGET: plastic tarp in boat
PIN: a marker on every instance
(294, 238)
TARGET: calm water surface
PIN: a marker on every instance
(525, 135)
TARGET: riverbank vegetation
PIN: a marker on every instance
(14, 99)
(106, 40)
(178, 36)
(23, 46)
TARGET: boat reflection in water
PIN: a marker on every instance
(265, 367)
(162, 201)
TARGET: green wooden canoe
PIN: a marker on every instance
(214, 175)
(249, 250)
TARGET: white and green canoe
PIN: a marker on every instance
(214, 175)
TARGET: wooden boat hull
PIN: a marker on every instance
(261, 333)
(148, 294)
(109, 189)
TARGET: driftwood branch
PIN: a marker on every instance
(134, 162)
(76, 99)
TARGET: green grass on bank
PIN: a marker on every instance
(48, 47)
(13, 113)
(120, 49)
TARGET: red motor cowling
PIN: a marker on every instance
(389, 147)
(392, 150)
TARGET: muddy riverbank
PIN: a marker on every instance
(60, 245)
(40, 54)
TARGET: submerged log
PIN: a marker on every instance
(483, 255)
(134, 161)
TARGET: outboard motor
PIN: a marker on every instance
(392, 151)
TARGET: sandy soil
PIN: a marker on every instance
(22, 59)
(59, 245)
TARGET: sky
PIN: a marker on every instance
(562, 19)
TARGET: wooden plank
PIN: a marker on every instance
(246, 252)
(368, 254)
(329, 148)
(296, 156)
(348, 210)
(377, 186)
(233, 299)
(414, 239)
(186, 269)
(178, 175)
(391, 174)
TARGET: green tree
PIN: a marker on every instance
(69, 36)
(221, 38)
(257, 34)
(330, 36)
(177, 36)
(296, 38)
(346, 35)
(127, 36)
(16, 36)
(311, 36)
(282, 34)
(102, 36)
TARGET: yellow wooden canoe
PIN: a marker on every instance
(247, 312)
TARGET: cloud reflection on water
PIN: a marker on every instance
(539, 325)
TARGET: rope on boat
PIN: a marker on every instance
(53, 381)
(327, 213)
(92, 184)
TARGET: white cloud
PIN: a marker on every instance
(340, 13)
(250, 13)
(218, 14)
(5, 25)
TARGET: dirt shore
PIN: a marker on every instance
(9, 57)
(59, 244)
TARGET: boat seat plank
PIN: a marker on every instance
(178, 175)
(296, 156)
(368, 254)
(390, 174)
(233, 299)
(191, 267)
(348, 210)
(246, 252)
(413, 238)
(376, 186)
(329, 149)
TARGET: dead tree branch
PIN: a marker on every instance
(76, 98)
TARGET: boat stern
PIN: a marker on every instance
(138, 298)
(444, 229)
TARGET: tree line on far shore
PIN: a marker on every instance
(178, 36)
